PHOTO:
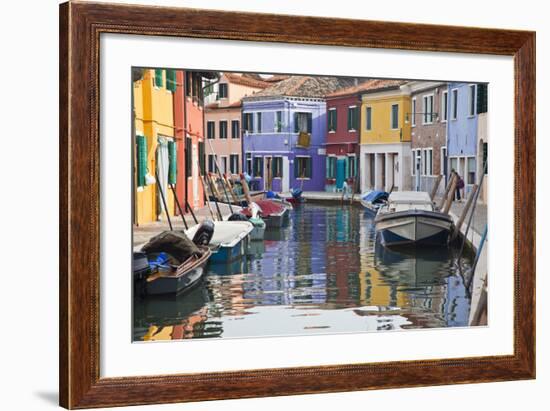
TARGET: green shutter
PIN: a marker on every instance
(171, 82)
(172, 162)
(482, 91)
(141, 151)
(309, 122)
(158, 78)
(296, 129)
(308, 167)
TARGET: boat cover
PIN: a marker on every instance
(375, 195)
(226, 233)
(174, 243)
(267, 207)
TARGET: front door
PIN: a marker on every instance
(340, 172)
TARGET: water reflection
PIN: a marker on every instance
(323, 273)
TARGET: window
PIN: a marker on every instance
(201, 157)
(158, 79)
(302, 122)
(454, 105)
(223, 129)
(211, 129)
(234, 163)
(258, 166)
(443, 161)
(277, 167)
(444, 105)
(188, 153)
(224, 165)
(471, 170)
(472, 100)
(278, 122)
(428, 108)
(188, 83)
(211, 163)
(196, 87)
(482, 92)
(351, 168)
(249, 164)
(395, 116)
(235, 132)
(258, 122)
(413, 114)
(427, 162)
(248, 122)
(171, 81)
(368, 116)
(454, 164)
(222, 90)
(331, 167)
(302, 167)
(332, 119)
(352, 118)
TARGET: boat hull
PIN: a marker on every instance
(278, 220)
(226, 254)
(370, 209)
(415, 227)
(185, 277)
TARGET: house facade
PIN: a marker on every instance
(154, 144)
(385, 137)
(483, 140)
(284, 134)
(462, 128)
(223, 122)
(342, 140)
(428, 116)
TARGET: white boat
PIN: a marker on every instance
(409, 217)
(230, 239)
(373, 200)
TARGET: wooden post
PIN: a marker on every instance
(454, 182)
(230, 188)
(213, 186)
(206, 192)
(436, 186)
(442, 203)
(465, 211)
(245, 189)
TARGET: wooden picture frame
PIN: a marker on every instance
(80, 27)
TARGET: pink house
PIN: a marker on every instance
(223, 121)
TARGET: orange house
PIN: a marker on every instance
(189, 132)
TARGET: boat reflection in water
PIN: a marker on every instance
(321, 274)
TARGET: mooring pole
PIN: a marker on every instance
(164, 203)
(450, 196)
(436, 186)
(444, 199)
(465, 210)
(207, 197)
(179, 206)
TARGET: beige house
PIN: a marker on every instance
(223, 120)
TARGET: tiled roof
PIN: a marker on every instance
(367, 86)
(216, 105)
(304, 86)
(245, 80)
(276, 78)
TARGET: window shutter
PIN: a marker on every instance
(309, 122)
(482, 91)
(171, 82)
(172, 163)
(158, 78)
(296, 128)
(308, 167)
(141, 151)
(296, 166)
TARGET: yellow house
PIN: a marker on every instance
(385, 137)
(154, 144)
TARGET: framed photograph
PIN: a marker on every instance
(258, 205)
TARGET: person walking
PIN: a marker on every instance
(459, 186)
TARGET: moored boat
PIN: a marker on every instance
(409, 217)
(373, 200)
(274, 213)
(230, 239)
(173, 279)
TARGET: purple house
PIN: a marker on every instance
(284, 133)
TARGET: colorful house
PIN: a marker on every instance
(155, 143)
(342, 141)
(385, 137)
(189, 129)
(462, 129)
(482, 139)
(223, 121)
(428, 115)
(284, 133)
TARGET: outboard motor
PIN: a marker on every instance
(204, 233)
(237, 217)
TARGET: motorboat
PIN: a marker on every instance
(409, 217)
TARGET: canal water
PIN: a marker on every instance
(322, 274)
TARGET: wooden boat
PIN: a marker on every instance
(409, 217)
(373, 200)
(230, 239)
(274, 213)
(179, 279)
